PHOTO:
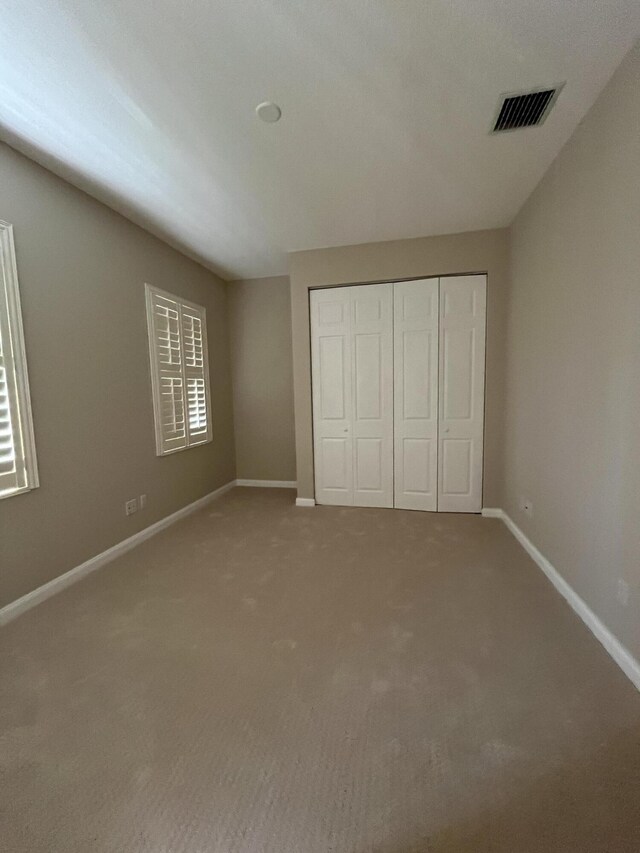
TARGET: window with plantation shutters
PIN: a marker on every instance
(179, 371)
(18, 470)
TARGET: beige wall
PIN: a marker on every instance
(476, 251)
(573, 401)
(82, 270)
(260, 331)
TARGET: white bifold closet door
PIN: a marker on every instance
(415, 343)
(461, 392)
(398, 393)
(352, 377)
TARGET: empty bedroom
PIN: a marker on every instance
(319, 426)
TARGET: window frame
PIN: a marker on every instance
(155, 370)
(14, 353)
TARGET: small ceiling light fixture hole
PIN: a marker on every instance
(269, 112)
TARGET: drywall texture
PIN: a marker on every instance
(573, 388)
(260, 332)
(82, 270)
(472, 252)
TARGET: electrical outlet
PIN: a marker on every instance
(131, 506)
(623, 592)
(142, 501)
(526, 506)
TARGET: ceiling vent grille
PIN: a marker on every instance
(527, 109)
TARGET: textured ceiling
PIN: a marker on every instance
(149, 105)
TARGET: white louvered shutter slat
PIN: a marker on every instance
(179, 367)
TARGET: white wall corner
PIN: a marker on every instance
(305, 502)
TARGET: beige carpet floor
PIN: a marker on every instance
(265, 679)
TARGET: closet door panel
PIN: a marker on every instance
(372, 372)
(416, 394)
(332, 395)
(456, 466)
(369, 378)
(334, 464)
(461, 398)
(457, 377)
(417, 473)
(369, 465)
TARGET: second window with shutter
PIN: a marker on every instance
(179, 371)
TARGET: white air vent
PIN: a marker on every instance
(524, 109)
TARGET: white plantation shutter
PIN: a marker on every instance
(170, 405)
(193, 324)
(179, 371)
(18, 471)
(7, 441)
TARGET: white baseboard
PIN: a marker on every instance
(15, 608)
(305, 502)
(492, 512)
(621, 655)
(269, 484)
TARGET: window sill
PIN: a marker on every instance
(9, 493)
